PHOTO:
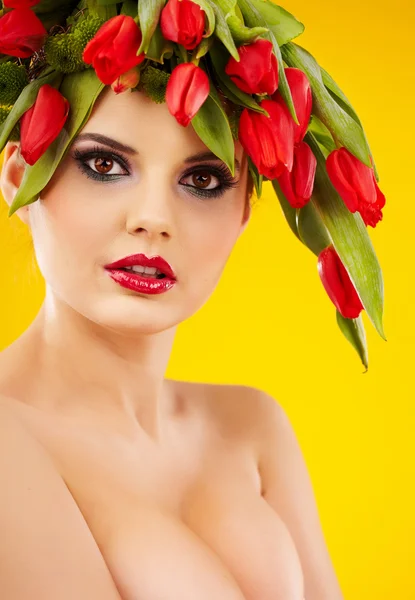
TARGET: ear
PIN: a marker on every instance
(11, 177)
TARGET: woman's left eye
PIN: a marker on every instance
(210, 182)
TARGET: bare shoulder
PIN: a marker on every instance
(239, 409)
(44, 534)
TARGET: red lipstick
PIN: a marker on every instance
(120, 271)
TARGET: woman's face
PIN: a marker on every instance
(106, 202)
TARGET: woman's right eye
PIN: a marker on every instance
(100, 165)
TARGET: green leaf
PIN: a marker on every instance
(350, 239)
(283, 24)
(81, 89)
(242, 34)
(253, 17)
(343, 127)
(322, 135)
(257, 177)
(130, 8)
(311, 228)
(223, 32)
(106, 9)
(25, 101)
(148, 17)
(287, 209)
(204, 47)
(212, 126)
(219, 59)
(354, 331)
(337, 94)
(159, 47)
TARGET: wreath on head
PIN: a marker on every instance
(231, 70)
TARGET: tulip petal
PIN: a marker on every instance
(305, 164)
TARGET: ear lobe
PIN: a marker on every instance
(11, 177)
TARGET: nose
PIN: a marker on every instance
(150, 213)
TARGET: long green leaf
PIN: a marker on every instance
(343, 127)
(287, 209)
(283, 24)
(253, 17)
(148, 17)
(223, 32)
(350, 239)
(354, 331)
(242, 34)
(210, 15)
(343, 101)
(81, 89)
(212, 126)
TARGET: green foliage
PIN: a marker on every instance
(13, 79)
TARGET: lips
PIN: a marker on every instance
(142, 260)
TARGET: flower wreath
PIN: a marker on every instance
(201, 56)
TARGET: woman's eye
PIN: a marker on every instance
(203, 180)
(102, 166)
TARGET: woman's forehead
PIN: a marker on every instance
(136, 121)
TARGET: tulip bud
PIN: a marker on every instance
(257, 70)
(297, 185)
(356, 184)
(21, 33)
(183, 22)
(20, 3)
(113, 50)
(42, 123)
(127, 81)
(338, 284)
(187, 89)
(268, 141)
(302, 99)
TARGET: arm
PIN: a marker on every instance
(288, 489)
(46, 549)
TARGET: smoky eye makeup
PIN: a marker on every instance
(104, 161)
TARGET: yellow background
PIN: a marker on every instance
(270, 325)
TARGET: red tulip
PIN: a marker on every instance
(42, 123)
(356, 184)
(113, 50)
(21, 33)
(183, 22)
(338, 284)
(297, 185)
(268, 141)
(302, 99)
(187, 89)
(20, 3)
(257, 70)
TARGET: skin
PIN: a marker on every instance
(95, 330)
(74, 416)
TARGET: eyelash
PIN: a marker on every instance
(221, 172)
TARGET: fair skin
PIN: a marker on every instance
(87, 381)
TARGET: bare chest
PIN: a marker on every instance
(187, 521)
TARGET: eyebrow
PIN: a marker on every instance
(115, 145)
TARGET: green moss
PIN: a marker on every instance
(13, 78)
(154, 82)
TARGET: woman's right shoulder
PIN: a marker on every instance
(47, 550)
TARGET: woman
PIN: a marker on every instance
(122, 483)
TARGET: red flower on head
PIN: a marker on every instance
(338, 285)
(183, 22)
(257, 70)
(113, 50)
(297, 185)
(302, 99)
(356, 184)
(187, 89)
(21, 33)
(20, 3)
(42, 123)
(268, 141)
